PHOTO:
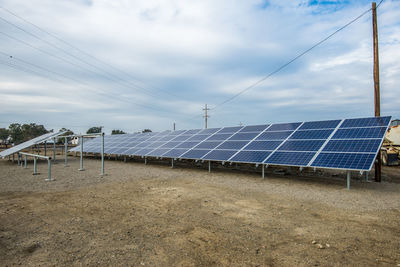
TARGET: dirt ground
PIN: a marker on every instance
(152, 215)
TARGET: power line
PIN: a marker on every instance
(293, 59)
(104, 93)
(118, 79)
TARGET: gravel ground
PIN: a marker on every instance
(154, 215)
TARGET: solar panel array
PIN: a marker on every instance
(34, 141)
(350, 144)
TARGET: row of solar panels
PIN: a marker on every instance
(34, 141)
(350, 144)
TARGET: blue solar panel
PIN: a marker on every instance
(195, 154)
(208, 145)
(319, 125)
(199, 137)
(210, 131)
(144, 151)
(274, 135)
(263, 145)
(170, 145)
(290, 158)
(232, 145)
(220, 155)
(158, 152)
(360, 133)
(175, 153)
(243, 136)
(347, 161)
(350, 147)
(312, 134)
(309, 145)
(181, 138)
(219, 136)
(366, 122)
(230, 129)
(251, 156)
(254, 128)
(187, 144)
(368, 145)
(283, 126)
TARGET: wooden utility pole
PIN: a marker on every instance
(206, 116)
(377, 101)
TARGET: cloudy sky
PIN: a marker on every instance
(130, 65)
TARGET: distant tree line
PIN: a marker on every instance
(18, 133)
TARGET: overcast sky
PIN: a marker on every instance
(130, 65)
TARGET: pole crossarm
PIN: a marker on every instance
(82, 135)
(34, 155)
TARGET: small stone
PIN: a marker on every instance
(319, 246)
(327, 245)
(314, 242)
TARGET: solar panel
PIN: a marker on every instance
(34, 141)
(350, 144)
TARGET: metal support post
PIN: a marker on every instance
(262, 167)
(125, 159)
(25, 164)
(209, 166)
(66, 151)
(49, 170)
(54, 149)
(81, 158)
(366, 176)
(172, 163)
(145, 160)
(18, 161)
(13, 158)
(35, 166)
(348, 180)
(102, 154)
(45, 148)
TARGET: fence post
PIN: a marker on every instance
(66, 151)
(34, 166)
(102, 154)
(81, 159)
(49, 170)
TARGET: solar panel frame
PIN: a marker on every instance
(306, 140)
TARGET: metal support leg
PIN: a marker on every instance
(54, 149)
(209, 166)
(35, 166)
(125, 159)
(366, 176)
(18, 159)
(145, 160)
(81, 159)
(172, 163)
(25, 161)
(263, 168)
(49, 170)
(348, 180)
(13, 158)
(45, 148)
(66, 151)
(102, 154)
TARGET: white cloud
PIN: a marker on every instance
(198, 52)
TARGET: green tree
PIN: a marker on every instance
(32, 130)
(15, 133)
(146, 131)
(67, 132)
(4, 134)
(117, 132)
(94, 130)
